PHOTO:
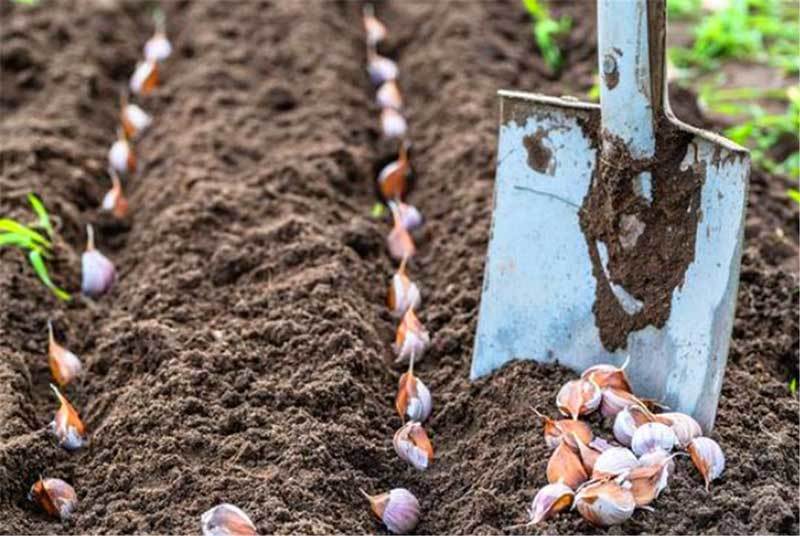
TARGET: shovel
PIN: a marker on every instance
(616, 229)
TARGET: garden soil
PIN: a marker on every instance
(244, 355)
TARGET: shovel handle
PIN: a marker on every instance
(630, 48)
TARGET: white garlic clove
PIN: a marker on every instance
(684, 426)
(412, 444)
(708, 457)
(549, 501)
(609, 376)
(410, 217)
(403, 293)
(388, 96)
(134, 120)
(64, 365)
(578, 397)
(605, 503)
(565, 466)
(55, 496)
(412, 338)
(121, 157)
(381, 69)
(651, 436)
(97, 272)
(144, 78)
(393, 124)
(157, 48)
(400, 244)
(67, 425)
(376, 30)
(226, 520)
(656, 457)
(614, 462)
(628, 420)
(413, 397)
(599, 444)
(398, 509)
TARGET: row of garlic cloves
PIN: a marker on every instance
(606, 483)
(98, 274)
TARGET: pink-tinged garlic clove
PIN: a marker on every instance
(134, 120)
(98, 273)
(651, 436)
(398, 509)
(412, 338)
(656, 457)
(684, 426)
(556, 430)
(565, 466)
(376, 30)
(55, 496)
(389, 96)
(226, 520)
(381, 69)
(67, 425)
(144, 78)
(628, 420)
(615, 400)
(413, 397)
(708, 457)
(578, 397)
(410, 217)
(64, 365)
(609, 376)
(393, 124)
(605, 503)
(403, 293)
(115, 201)
(412, 444)
(121, 156)
(614, 462)
(549, 501)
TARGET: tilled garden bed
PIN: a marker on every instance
(244, 355)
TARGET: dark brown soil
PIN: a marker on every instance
(244, 354)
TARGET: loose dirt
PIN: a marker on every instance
(244, 355)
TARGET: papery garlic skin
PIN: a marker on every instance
(708, 457)
(393, 124)
(388, 96)
(605, 503)
(578, 397)
(555, 430)
(614, 462)
(412, 445)
(412, 338)
(381, 69)
(226, 520)
(565, 466)
(55, 496)
(651, 436)
(684, 426)
(134, 120)
(657, 457)
(67, 426)
(403, 295)
(609, 376)
(648, 481)
(549, 501)
(157, 48)
(420, 406)
(615, 400)
(121, 157)
(398, 509)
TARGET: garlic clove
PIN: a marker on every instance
(398, 509)
(413, 397)
(410, 217)
(393, 178)
(578, 397)
(412, 444)
(403, 293)
(226, 520)
(55, 496)
(614, 462)
(599, 444)
(615, 400)
(380, 68)
(393, 124)
(121, 157)
(684, 426)
(158, 47)
(652, 435)
(565, 466)
(67, 425)
(628, 420)
(412, 338)
(587, 454)
(114, 201)
(98, 273)
(549, 501)
(376, 30)
(609, 376)
(648, 481)
(144, 78)
(64, 365)
(134, 120)
(605, 503)
(389, 96)
(708, 457)
(399, 242)
(555, 430)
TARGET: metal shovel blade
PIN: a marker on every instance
(601, 250)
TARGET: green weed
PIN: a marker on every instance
(30, 241)
(546, 32)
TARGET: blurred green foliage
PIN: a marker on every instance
(546, 31)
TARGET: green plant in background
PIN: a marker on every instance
(546, 31)
(793, 386)
(37, 247)
(684, 9)
(794, 195)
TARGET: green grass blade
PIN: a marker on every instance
(41, 270)
(20, 241)
(794, 195)
(11, 226)
(41, 212)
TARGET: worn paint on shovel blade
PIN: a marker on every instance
(539, 285)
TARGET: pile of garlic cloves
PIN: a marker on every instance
(606, 481)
